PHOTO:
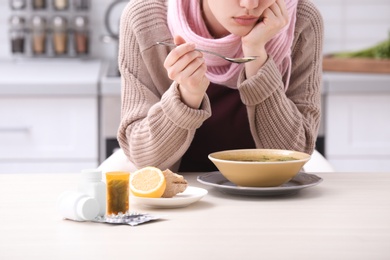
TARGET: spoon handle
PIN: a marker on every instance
(206, 51)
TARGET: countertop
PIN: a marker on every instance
(50, 76)
(344, 217)
(348, 82)
(333, 82)
(97, 77)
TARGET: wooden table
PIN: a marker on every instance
(347, 216)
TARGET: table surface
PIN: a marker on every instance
(347, 216)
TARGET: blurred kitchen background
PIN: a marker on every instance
(60, 89)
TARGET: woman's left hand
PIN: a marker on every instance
(272, 21)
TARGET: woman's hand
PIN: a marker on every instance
(187, 67)
(272, 21)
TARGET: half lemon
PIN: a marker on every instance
(148, 182)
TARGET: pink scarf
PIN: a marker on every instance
(185, 19)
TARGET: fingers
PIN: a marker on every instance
(182, 61)
(178, 52)
(279, 10)
(188, 68)
(178, 40)
(183, 64)
(184, 68)
(273, 19)
(191, 75)
(283, 10)
(282, 6)
(275, 10)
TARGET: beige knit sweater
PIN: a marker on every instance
(157, 128)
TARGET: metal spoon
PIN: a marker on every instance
(234, 60)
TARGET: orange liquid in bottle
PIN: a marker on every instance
(117, 192)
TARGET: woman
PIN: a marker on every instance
(179, 105)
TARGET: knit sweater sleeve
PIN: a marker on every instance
(156, 127)
(289, 119)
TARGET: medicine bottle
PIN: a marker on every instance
(117, 192)
(92, 185)
(77, 206)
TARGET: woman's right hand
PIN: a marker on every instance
(187, 67)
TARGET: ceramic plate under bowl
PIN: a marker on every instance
(300, 181)
(189, 196)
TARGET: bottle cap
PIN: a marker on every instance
(87, 208)
(17, 21)
(91, 174)
(60, 23)
(18, 4)
(80, 22)
(77, 206)
(38, 22)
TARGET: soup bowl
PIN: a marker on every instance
(259, 167)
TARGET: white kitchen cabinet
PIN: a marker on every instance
(357, 120)
(45, 132)
(49, 115)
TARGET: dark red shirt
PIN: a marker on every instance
(227, 128)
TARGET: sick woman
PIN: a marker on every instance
(179, 104)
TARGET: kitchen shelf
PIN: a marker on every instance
(365, 65)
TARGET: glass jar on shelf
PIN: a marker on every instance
(60, 35)
(17, 33)
(81, 35)
(38, 4)
(81, 4)
(17, 4)
(38, 34)
(60, 5)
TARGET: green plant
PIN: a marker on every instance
(378, 51)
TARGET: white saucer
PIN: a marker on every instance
(189, 196)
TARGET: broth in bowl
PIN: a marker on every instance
(266, 158)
